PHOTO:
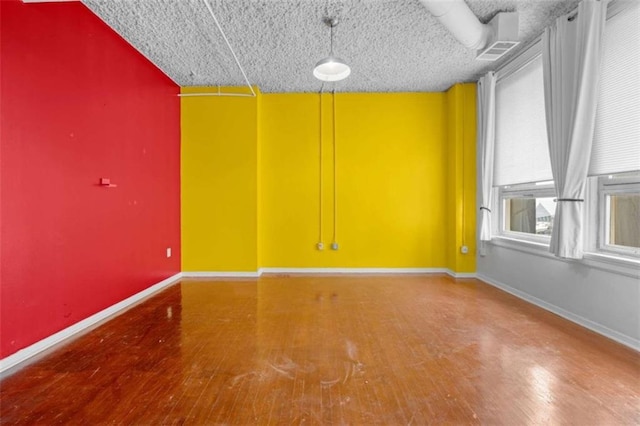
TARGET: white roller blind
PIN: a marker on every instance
(521, 150)
(616, 144)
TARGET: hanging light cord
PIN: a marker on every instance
(331, 42)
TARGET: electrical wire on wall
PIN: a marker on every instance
(320, 245)
(334, 243)
(463, 248)
(235, 58)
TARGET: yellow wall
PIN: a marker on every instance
(219, 183)
(251, 181)
(391, 164)
(461, 181)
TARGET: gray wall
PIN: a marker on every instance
(604, 301)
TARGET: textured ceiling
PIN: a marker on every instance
(391, 46)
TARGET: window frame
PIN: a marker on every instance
(529, 190)
(607, 186)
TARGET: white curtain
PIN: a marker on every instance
(571, 52)
(486, 105)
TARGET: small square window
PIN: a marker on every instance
(527, 211)
(620, 214)
(529, 215)
(624, 223)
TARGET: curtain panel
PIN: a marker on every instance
(571, 55)
(486, 105)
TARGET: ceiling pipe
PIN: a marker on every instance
(461, 22)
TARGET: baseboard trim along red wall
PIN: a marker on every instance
(23, 357)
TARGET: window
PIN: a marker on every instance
(619, 224)
(527, 211)
(522, 173)
(615, 158)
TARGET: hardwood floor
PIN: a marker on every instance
(331, 350)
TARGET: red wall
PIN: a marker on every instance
(78, 103)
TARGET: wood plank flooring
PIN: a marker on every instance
(393, 350)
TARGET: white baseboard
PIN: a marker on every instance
(355, 271)
(221, 274)
(584, 322)
(352, 271)
(461, 274)
(15, 361)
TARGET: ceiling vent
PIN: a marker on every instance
(504, 37)
(492, 41)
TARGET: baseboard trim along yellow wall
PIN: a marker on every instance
(327, 271)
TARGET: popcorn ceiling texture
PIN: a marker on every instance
(391, 45)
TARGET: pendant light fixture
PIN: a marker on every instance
(331, 68)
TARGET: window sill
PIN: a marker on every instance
(533, 247)
(606, 262)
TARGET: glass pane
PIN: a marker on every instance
(624, 226)
(530, 215)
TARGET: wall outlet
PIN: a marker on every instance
(168, 251)
(320, 246)
(334, 246)
(464, 249)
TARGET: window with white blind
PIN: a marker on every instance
(522, 169)
(615, 156)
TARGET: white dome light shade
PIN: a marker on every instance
(331, 69)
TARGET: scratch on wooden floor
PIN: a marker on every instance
(352, 350)
(240, 377)
(328, 383)
(286, 374)
(411, 419)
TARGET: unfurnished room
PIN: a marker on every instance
(253, 212)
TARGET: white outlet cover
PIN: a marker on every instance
(168, 251)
